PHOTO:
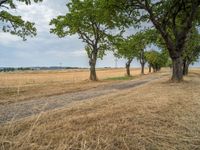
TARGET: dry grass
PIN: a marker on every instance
(157, 116)
(28, 78)
(20, 86)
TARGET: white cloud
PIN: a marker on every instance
(47, 49)
(6, 38)
(79, 53)
(64, 54)
(40, 13)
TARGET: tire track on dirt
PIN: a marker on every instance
(15, 111)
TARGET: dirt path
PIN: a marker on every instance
(15, 111)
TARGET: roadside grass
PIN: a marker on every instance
(158, 116)
(121, 78)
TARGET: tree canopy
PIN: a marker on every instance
(156, 59)
(92, 25)
(15, 24)
(173, 19)
(192, 50)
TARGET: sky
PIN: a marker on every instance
(47, 49)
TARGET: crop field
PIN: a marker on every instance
(17, 86)
(30, 78)
(115, 113)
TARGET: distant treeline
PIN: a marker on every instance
(11, 69)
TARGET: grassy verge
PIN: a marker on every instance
(120, 78)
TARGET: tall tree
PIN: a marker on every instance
(86, 19)
(15, 24)
(192, 50)
(134, 47)
(124, 49)
(173, 19)
(142, 60)
(138, 42)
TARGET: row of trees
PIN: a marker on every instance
(134, 47)
(100, 24)
(173, 20)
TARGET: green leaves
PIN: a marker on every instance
(156, 59)
(61, 24)
(27, 2)
(134, 44)
(192, 48)
(89, 20)
(15, 24)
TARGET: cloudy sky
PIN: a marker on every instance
(46, 49)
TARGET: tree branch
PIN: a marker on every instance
(2, 2)
(85, 37)
(158, 26)
(188, 24)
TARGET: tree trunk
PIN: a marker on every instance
(149, 68)
(142, 61)
(93, 75)
(185, 68)
(177, 72)
(142, 68)
(128, 67)
(128, 70)
(92, 63)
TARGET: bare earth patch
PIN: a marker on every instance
(159, 115)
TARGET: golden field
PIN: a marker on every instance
(159, 115)
(30, 78)
(18, 86)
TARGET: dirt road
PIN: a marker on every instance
(15, 111)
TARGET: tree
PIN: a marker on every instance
(151, 57)
(86, 19)
(157, 40)
(173, 19)
(191, 57)
(156, 59)
(133, 47)
(15, 24)
(139, 41)
(192, 50)
(123, 49)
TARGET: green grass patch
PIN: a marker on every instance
(120, 78)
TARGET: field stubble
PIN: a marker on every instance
(161, 115)
(19, 86)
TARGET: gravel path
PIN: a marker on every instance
(31, 107)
